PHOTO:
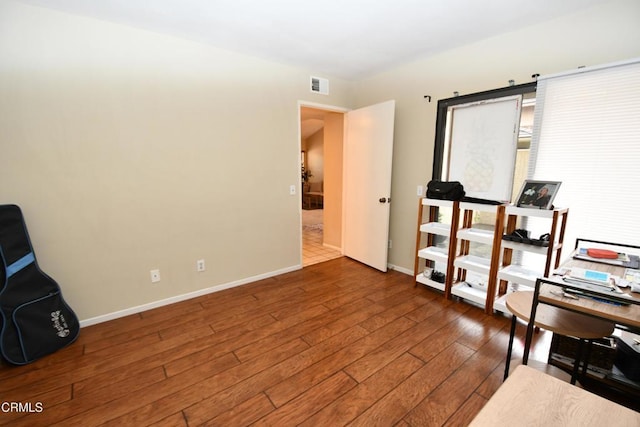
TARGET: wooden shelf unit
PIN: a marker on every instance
(485, 266)
(431, 253)
(497, 265)
(519, 275)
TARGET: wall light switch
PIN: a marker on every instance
(292, 190)
(420, 190)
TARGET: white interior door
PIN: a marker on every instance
(368, 152)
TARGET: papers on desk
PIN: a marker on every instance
(597, 291)
(623, 260)
(631, 279)
(600, 286)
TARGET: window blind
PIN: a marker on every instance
(587, 135)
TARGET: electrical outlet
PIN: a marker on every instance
(200, 265)
(420, 190)
(155, 276)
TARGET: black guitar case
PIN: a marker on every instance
(35, 319)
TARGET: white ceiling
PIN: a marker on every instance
(349, 39)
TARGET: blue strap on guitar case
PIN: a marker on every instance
(36, 321)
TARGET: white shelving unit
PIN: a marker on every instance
(473, 263)
(476, 235)
(470, 293)
(496, 262)
(432, 254)
(524, 278)
(482, 293)
(520, 275)
(436, 228)
(474, 288)
(520, 279)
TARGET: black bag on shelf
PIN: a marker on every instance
(445, 190)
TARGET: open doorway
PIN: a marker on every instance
(321, 134)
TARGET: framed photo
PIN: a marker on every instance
(538, 194)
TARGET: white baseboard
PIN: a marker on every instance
(332, 247)
(183, 297)
(400, 269)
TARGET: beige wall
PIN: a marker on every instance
(129, 150)
(333, 144)
(601, 34)
(315, 156)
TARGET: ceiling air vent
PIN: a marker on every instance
(319, 85)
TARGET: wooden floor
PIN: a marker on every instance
(334, 344)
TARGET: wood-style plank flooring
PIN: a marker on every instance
(336, 343)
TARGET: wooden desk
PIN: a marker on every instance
(556, 320)
(626, 315)
(563, 322)
(531, 398)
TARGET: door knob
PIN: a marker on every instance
(383, 200)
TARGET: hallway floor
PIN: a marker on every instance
(313, 251)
